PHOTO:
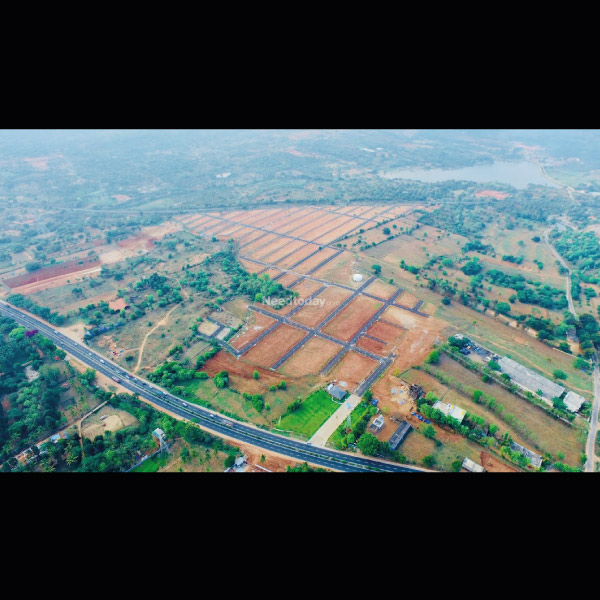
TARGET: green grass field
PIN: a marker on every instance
(355, 415)
(151, 465)
(315, 410)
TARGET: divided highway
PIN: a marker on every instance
(207, 419)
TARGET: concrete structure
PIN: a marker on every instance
(54, 438)
(399, 435)
(159, 434)
(336, 392)
(451, 410)
(534, 459)
(529, 380)
(573, 401)
(377, 423)
(357, 277)
(469, 465)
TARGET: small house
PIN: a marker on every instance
(337, 392)
(54, 438)
(471, 466)
(159, 434)
(377, 423)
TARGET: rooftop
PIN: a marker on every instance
(336, 391)
(469, 465)
(529, 380)
(399, 435)
(451, 410)
(573, 401)
(535, 459)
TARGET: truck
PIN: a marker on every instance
(116, 379)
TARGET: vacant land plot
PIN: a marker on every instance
(313, 261)
(289, 247)
(353, 369)
(263, 240)
(381, 289)
(322, 222)
(297, 257)
(313, 314)
(275, 345)
(56, 270)
(340, 231)
(256, 324)
(311, 358)
(352, 318)
(251, 266)
(276, 244)
(287, 279)
(107, 419)
(340, 270)
(386, 332)
(380, 348)
(313, 412)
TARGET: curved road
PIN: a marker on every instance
(207, 419)
(590, 450)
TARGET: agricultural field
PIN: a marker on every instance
(313, 412)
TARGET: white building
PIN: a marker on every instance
(451, 410)
(357, 277)
(573, 401)
(469, 465)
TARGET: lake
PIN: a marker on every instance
(517, 174)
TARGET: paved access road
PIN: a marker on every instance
(207, 419)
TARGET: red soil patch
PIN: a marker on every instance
(250, 237)
(495, 465)
(320, 221)
(38, 163)
(311, 358)
(381, 289)
(339, 270)
(300, 222)
(240, 232)
(313, 261)
(491, 194)
(251, 267)
(257, 323)
(334, 225)
(277, 244)
(387, 333)
(379, 348)
(121, 198)
(224, 361)
(289, 247)
(338, 232)
(287, 279)
(353, 369)
(65, 268)
(297, 256)
(135, 243)
(262, 240)
(312, 314)
(352, 318)
(275, 345)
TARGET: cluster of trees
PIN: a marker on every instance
(33, 405)
(21, 301)
(242, 283)
(477, 246)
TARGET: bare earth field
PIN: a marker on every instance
(353, 369)
(352, 318)
(311, 358)
(313, 314)
(274, 346)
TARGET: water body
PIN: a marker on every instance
(517, 174)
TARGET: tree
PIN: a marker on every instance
(429, 431)
(429, 461)
(503, 308)
(471, 268)
(433, 358)
(386, 231)
(446, 300)
(376, 269)
(368, 444)
(256, 374)
(368, 396)
(456, 465)
(492, 364)
(229, 461)
(558, 374)
(282, 385)
(536, 239)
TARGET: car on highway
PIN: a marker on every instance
(185, 404)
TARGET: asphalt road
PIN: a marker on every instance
(207, 419)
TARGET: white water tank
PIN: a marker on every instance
(357, 277)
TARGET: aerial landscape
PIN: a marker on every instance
(265, 301)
